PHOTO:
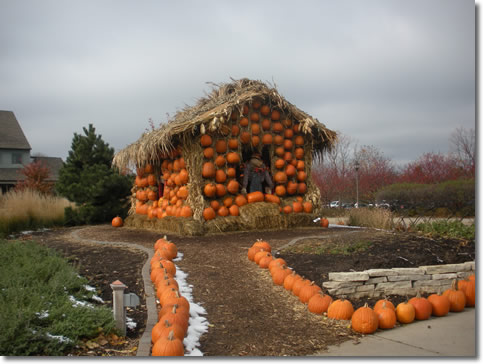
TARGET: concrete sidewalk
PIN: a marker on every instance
(452, 335)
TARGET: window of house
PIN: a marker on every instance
(16, 158)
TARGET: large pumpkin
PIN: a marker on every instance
(405, 313)
(208, 170)
(340, 309)
(422, 307)
(168, 346)
(386, 315)
(365, 320)
(440, 304)
(319, 303)
(457, 299)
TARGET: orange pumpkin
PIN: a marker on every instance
(299, 140)
(340, 309)
(231, 172)
(233, 158)
(297, 207)
(234, 210)
(255, 140)
(280, 190)
(266, 123)
(275, 115)
(220, 161)
(365, 320)
(233, 187)
(287, 209)
(457, 299)
(267, 139)
(235, 130)
(308, 207)
(265, 110)
(245, 137)
(220, 146)
(256, 196)
(240, 200)
(290, 170)
(206, 140)
(220, 176)
(220, 190)
(280, 177)
(405, 313)
(210, 190)
(440, 304)
(302, 188)
(233, 143)
(319, 303)
(272, 199)
(386, 316)
(422, 307)
(255, 117)
(244, 121)
(223, 211)
(209, 213)
(117, 222)
(208, 170)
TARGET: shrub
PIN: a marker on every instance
(449, 228)
(87, 179)
(458, 196)
(375, 218)
(43, 308)
(28, 209)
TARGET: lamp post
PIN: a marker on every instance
(356, 165)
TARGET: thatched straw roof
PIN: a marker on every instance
(209, 115)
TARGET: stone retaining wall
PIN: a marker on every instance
(398, 281)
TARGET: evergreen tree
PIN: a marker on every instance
(87, 179)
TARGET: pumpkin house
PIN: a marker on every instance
(190, 171)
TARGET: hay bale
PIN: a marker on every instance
(261, 216)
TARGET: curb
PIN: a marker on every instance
(144, 345)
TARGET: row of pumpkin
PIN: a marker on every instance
(365, 320)
(173, 317)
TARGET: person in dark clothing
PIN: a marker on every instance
(255, 175)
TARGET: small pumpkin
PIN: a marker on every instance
(233, 186)
(275, 115)
(298, 285)
(117, 222)
(272, 198)
(457, 299)
(297, 207)
(208, 170)
(220, 176)
(324, 222)
(233, 143)
(259, 255)
(209, 190)
(278, 262)
(244, 122)
(209, 213)
(267, 139)
(265, 261)
(384, 302)
(365, 320)
(319, 303)
(221, 146)
(308, 207)
(220, 161)
(233, 158)
(386, 315)
(220, 190)
(279, 274)
(235, 130)
(234, 210)
(265, 110)
(240, 200)
(223, 211)
(405, 313)
(340, 309)
(206, 140)
(280, 190)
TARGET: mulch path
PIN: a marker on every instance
(248, 314)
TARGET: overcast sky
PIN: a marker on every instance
(396, 74)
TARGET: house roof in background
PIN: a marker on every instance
(53, 163)
(12, 136)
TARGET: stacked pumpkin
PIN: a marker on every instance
(168, 334)
(145, 190)
(175, 193)
(257, 126)
(364, 320)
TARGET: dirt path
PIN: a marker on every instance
(248, 314)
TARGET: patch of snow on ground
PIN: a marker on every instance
(42, 314)
(97, 298)
(198, 325)
(60, 338)
(89, 288)
(77, 303)
(130, 323)
(178, 257)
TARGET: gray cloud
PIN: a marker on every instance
(385, 72)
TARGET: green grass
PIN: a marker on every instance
(445, 228)
(38, 310)
(30, 210)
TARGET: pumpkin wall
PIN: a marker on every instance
(255, 126)
(171, 200)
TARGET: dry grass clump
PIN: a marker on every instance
(29, 209)
(375, 218)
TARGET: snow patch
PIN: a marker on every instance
(60, 338)
(198, 325)
(130, 323)
(77, 303)
(97, 299)
(89, 288)
(42, 314)
(178, 257)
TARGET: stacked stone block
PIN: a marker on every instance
(397, 281)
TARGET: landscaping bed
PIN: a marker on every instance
(248, 314)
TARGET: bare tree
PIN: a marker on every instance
(464, 148)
